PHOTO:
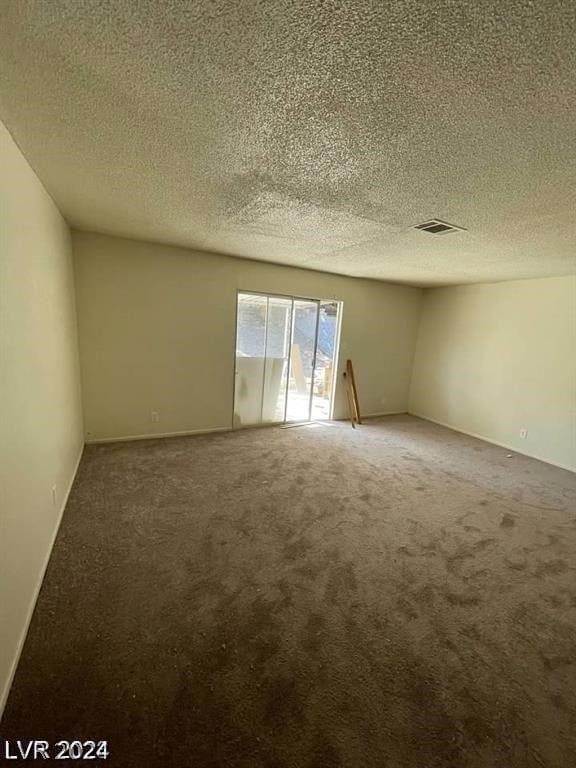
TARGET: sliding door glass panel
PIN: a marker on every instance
(277, 358)
(285, 359)
(250, 358)
(325, 359)
(302, 353)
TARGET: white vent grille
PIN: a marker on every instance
(437, 227)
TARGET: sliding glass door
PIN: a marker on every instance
(327, 340)
(252, 323)
(280, 343)
(302, 360)
(277, 359)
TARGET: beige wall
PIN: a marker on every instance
(494, 359)
(157, 333)
(40, 411)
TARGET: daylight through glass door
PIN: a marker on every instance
(286, 348)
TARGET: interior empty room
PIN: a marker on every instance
(288, 383)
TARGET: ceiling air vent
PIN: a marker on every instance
(437, 227)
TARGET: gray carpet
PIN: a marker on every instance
(399, 596)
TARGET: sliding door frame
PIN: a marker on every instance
(308, 301)
(293, 298)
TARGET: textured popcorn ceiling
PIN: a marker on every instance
(306, 132)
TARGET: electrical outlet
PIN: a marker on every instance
(154, 417)
(523, 434)
(54, 495)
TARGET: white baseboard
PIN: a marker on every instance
(373, 415)
(154, 435)
(20, 646)
(493, 442)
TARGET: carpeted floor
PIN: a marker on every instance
(399, 596)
